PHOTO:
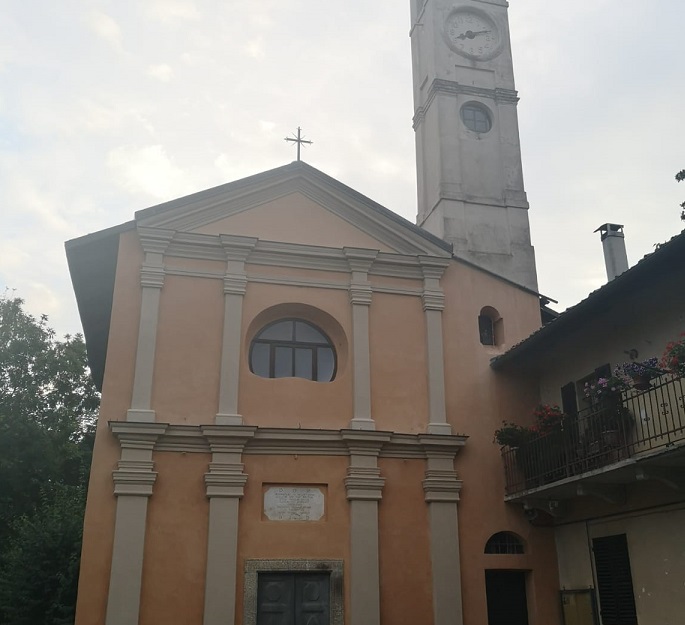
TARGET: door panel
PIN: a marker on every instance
(293, 599)
(275, 599)
(312, 604)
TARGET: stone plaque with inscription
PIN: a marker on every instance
(293, 503)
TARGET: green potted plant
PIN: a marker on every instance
(512, 435)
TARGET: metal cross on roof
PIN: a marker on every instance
(299, 140)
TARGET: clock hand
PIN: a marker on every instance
(469, 34)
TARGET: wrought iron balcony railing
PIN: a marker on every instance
(628, 424)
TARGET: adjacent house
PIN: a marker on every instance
(612, 484)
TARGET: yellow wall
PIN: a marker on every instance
(656, 547)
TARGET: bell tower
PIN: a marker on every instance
(470, 179)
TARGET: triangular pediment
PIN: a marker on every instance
(294, 204)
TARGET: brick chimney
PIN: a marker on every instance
(614, 244)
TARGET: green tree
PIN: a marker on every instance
(48, 408)
(40, 561)
(680, 176)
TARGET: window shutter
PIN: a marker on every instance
(569, 400)
(614, 580)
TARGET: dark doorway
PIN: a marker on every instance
(293, 599)
(506, 592)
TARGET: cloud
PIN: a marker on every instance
(148, 170)
(105, 27)
(255, 48)
(161, 72)
(173, 10)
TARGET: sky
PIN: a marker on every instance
(110, 106)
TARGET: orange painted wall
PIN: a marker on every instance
(175, 556)
(399, 383)
(478, 400)
(404, 542)
(188, 355)
(283, 220)
(185, 391)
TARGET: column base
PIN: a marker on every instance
(140, 415)
(228, 419)
(444, 429)
(362, 424)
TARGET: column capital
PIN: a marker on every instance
(137, 435)
(225, 480)
(433, 267)
(439, 446)
(228, 438)
(237, 248)
(441, 486)
(365, 442)
(154, 240)
(133, 478)
(433, 299)
(152, 276)
(360, 259)
(361, 294)
(235, 284)
(364, 483)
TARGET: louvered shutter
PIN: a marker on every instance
(614, 580)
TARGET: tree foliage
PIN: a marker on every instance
(680, 176)
(48, 407)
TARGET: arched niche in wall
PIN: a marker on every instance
(305, 319)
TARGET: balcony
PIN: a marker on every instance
(632, 432)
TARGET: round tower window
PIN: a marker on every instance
(476, 117)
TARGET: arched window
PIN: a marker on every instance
(504, 543)
(490, 327)
(292, 348)
(486, 329)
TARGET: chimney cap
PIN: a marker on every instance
(608, 229)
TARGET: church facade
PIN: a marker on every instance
(297, 399)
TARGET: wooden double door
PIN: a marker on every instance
(285, 598)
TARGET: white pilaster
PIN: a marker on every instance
(433, 305)
(441, 489)
(154, 243)
(360, 261)
(364, 486)
(133, 481)
(225, 483)
(237, 249)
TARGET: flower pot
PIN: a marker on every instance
(642, 383)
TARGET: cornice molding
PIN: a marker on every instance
(251, 251)
(290, 441)
(441, 86)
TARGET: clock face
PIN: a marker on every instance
(473, 34)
